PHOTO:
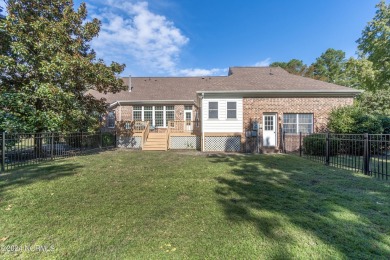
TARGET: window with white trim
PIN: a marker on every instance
(148, 114)
(159, 116)
(213, 110)
(137, 113)
(231, 110)
(295, 123)
(156, 115)
(111, 119)
(169, 114)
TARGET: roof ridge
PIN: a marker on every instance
(174, 77)
(251, 67)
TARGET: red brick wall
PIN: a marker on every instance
(179, 112)
(125, 113)
(253, 108)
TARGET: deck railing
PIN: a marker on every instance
(145, 132)
(139, 126)
(184, 126)
(168, 133)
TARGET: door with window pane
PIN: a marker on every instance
(269, 130)
(188, 120)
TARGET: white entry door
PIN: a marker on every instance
(188, 120)
(269, 130)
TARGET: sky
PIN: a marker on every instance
(206, 37)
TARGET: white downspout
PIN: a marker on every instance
(120, 111)
(201, 111)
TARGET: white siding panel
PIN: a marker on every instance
(222, 124)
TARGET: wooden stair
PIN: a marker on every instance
(156, 142)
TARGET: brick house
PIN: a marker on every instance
(252, 105)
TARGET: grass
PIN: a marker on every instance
(160, 205)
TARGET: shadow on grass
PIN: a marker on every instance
(347, 212)
(45, 171)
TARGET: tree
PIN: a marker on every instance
(360, 74)
(374, 44)
(294, 66)
(377, 102)
(47, 66)
(330, 66)
(354, 120)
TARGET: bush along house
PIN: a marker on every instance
(245, 111)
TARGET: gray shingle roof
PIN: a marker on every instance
(239, 79)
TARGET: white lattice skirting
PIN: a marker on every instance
(133, 142)
(185, 142)
(222, 143)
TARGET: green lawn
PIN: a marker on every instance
(156, 205)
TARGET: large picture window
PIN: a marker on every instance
(295, 123)
(157, 116)
(213, 110)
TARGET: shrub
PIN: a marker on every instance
(385, 120)
(354, 120)
(315, 144)
(108, 139)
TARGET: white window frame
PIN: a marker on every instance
(165, 123)
(230, 109)
(298, 123)
(217, 109)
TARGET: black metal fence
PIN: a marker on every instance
(368, 153)
(29, 148)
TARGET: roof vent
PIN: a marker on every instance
(270, 71)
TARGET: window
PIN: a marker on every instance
(156, 115)
(295, 123)
(148, 114)
(159, 115)
(137, 113)
(232, 110)
(111, 119)
(187, 107)
(269, 122)
(169, 114)
(213, 110)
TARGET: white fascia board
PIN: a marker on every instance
(285, 93)
(152, 102)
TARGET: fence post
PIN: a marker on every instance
(281, 144)
(3, 151)
(52, 146)
(81, 142)
(115, 140)
(366, 155)
(300, 144)
(327, 149)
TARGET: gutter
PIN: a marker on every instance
(152, 102)
(286, 93)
